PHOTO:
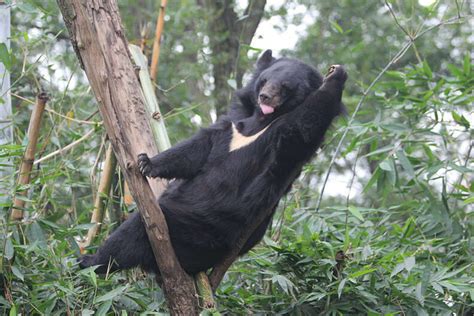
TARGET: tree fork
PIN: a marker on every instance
(98, 38)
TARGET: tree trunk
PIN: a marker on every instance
(98, 39)
(227, 32)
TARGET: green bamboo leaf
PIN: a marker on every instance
(337, 27)
(460, 119)
(5, 57)
(18, 273)
(13, 311)
(104, 308)
(9, 250)
(467, 64)
(398, 268)
(362, 272)
(409, 263)
(386, 165)
(427, 70)
(355, 211)
(402, 158)
(285, 284)
(112, 294)
(408, 228)
(372, 180)
(341, 287)
(380, 150)
(469, 200)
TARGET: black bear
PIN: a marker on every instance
(229, 172)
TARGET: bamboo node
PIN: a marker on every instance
(156, 115)
(43, 96)
(137, 69)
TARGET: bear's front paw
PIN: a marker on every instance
(336, 72)
(144, 165)
(86, 261)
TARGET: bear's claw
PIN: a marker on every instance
(86, 261)
(144, 164)
(336, 72)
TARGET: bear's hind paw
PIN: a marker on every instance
(336, 72)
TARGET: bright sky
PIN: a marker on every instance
(269, 35)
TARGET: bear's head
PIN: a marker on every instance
(279, 85)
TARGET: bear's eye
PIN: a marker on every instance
(261, 83)
(285, 89)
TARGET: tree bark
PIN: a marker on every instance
(227, 32)
(98, 38)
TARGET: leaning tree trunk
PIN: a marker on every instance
(98, 38)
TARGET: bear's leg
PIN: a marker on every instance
(257, 235)
(126, 248)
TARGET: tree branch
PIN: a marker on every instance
(254, 13)
(226, 33)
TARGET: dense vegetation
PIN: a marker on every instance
(392, 232)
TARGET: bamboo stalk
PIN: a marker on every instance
(205, 292)
(29, 156)
(102, 197)
(156, 43)
(151, 103)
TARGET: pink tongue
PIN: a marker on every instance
(266, 109)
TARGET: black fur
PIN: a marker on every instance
(217, 193)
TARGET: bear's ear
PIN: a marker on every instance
(265, 60)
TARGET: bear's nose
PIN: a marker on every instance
(264, 97)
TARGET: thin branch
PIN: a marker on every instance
(47, 109)
(351, 183)
(458, 8)
(396, 20)
(65, 148)
(397, 56)
(72, 119)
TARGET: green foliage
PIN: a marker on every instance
(394, 234)
(400, 247)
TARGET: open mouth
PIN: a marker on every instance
(266, 109)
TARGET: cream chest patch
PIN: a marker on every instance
(238, 140)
